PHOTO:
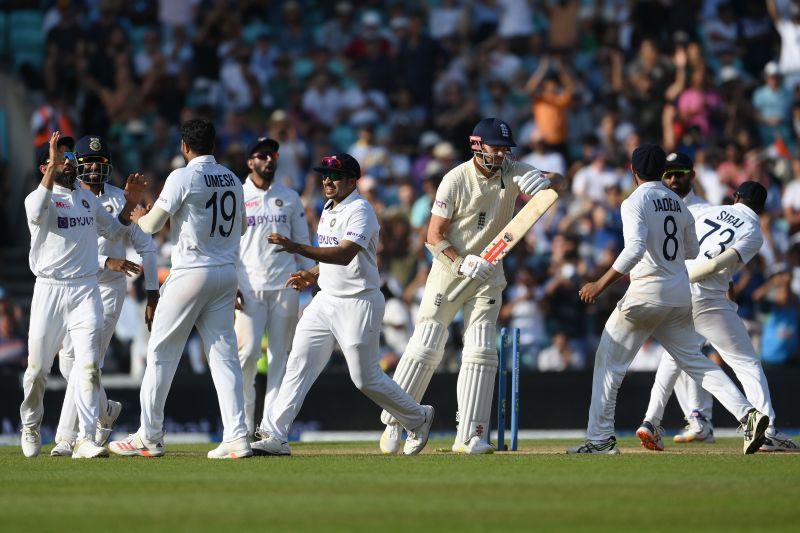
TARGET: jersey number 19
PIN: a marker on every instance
(227, 209)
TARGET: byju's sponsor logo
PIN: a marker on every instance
(266, 219)
(72, 222)
(328, 240)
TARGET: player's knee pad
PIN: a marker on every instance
(423, 354)
(480, 344)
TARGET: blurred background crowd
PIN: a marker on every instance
(400, 85)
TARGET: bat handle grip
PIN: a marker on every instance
(455, 293)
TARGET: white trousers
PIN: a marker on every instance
(204, 297)
(717, 321)
(625, 331)
(354, 323)
(276, 312)
(112, 295)
(58, 308)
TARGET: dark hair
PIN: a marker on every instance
(199, 135)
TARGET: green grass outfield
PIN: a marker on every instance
(350, 487)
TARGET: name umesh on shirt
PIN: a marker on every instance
(219, 180)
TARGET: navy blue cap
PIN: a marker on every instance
(270, 144)
(493, 132)
(43, 151)
(344, 164)
(754, 194)
(648, 161)
(92, 146)
(679, 160)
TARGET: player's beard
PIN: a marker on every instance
(266, 175)
(64, 179)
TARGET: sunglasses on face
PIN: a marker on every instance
(69, 157)
(264, 155)
(334, 177)
(675, 173)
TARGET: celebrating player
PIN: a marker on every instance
(347, 310)
(473, 203)
(64, 223)
(730, 236)
(264, 300)
(659, 235)
(205, 203)
(94, 167)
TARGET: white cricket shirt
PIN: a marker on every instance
(659, 236)
(112, 199)
(478, 208)
(205, 202)
(276, 210)
(64, 226)
(352, 220)
(719, 228)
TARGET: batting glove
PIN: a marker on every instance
(532, 182)
(476, 267)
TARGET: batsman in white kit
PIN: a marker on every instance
(659, 236)
(348, 310)
(205, 204)
(64, 223)
(265, 303)
(94, 168)
(472, 205)
(730, 236)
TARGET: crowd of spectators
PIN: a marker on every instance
(400, 85)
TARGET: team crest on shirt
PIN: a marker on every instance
(85, 204)
(333, 222)
(278, 202)
(94, 144)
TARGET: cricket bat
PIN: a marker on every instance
(512, 233)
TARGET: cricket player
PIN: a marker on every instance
(730, 236)
(473, 203)
(659, 235)
(205, 204)
(94, 168)
(348, 310)
(265, 302)
(64, 223)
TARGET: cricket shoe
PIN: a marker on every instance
(106, 421)
(608, 447)
(238, 449)
(392, 439)
(650, 436)
(135, 445)
(418, 437)
(778, 442)
(474, 446)
(269, 445)
(754, 427)
(62, 449)
(31, 442)
(88, 449)
(698, 429)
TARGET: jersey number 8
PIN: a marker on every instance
(670, 242)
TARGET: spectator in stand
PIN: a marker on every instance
(772, 104)
(560, 356)
(13, 345)
(338, 32)
(788, 26)
(781, 338)
(521, 310)
(590, 182)
(551, 97)
(791, 200)
(542, 157)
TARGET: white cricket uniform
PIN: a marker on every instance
(659, 235)
(205, 202)
(715, 317)
(478, 208)
(113, 287)
(348, 311)
(64, 226)
(268, 304)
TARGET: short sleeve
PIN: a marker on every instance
(445, 200)
(175, 191)
(749, 246)
(361, 227)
